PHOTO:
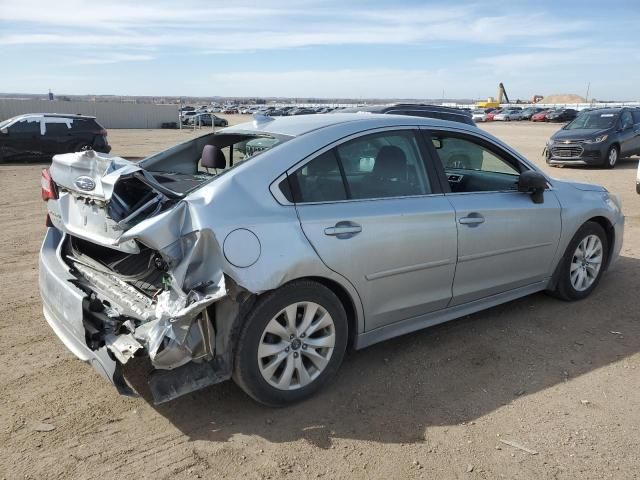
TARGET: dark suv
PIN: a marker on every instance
(417, 110)
(596, 137)
(38, 135)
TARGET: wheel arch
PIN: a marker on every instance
(347, 302)
(609, 230)
(607, 226)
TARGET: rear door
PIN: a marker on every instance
(58, 136)
(372, 211)
(505, 240)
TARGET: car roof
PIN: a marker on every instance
(58, 115)
(302, 124)
(606, 110)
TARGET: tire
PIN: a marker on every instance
(258, 376)
(611, 159)
(565, 286)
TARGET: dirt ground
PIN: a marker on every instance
(559, 379)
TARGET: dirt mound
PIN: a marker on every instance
(563, 98)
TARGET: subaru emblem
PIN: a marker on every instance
(84, 183)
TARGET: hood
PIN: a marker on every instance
(578, 134)
(585, 187)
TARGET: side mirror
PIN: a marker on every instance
(4, 130)
(534, 183)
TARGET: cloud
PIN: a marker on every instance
(112, 58)
(354, 83)
(243, 27)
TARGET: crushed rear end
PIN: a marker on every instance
(125, 272)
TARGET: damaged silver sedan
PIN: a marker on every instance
(263, 251)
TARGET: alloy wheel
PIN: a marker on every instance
(613, 156)
(296, 346)
(586, 263)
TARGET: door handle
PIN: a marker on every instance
(472, 220)
(343, 230)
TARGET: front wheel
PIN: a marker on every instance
(583, 263)
(612, 157)
(291, 344)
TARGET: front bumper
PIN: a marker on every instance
(62, 304)
(576, 153)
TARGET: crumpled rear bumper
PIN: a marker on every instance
(62, 307)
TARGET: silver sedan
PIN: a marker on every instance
(262, 252)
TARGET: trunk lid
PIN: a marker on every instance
(100, 197)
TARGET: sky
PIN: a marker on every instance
(325, 49)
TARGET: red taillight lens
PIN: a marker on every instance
(48, 188)
(102, 132)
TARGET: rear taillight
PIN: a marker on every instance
(48, 188)
(102, 132)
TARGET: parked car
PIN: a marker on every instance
(206, 119)
(562, 115)
(416, 110)
(268, 272)
(40, 135)
(598, 137)
(301, 111)
(541, 116)
(527, 113)
(507, 115)
(479, 115)
(186, 115)
(491, 115)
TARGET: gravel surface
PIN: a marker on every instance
(536, 388)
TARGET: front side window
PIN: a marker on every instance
(369, 167)
(627, 120)
(472, 167)
(28, 126)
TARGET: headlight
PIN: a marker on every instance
(613, 201)
(599, 139)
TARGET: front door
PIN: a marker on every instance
(372, 213)
(24, 139)
(629, 138)
(505, 240)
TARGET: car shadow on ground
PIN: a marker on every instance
(445, 375)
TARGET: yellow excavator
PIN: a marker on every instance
(494, 103)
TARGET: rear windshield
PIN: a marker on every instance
(593, 121)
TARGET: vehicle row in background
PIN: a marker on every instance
(535, 114)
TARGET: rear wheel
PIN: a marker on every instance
(612, 156)
(291, 344)
(583, 263)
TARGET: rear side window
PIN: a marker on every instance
(57, 128)
(373, 166)
(636, 115)
(320, 180)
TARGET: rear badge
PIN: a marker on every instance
(84, 183)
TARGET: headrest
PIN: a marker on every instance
(212, 157)
(391, 162)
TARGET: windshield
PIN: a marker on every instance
(592, 121)
(6, 122)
